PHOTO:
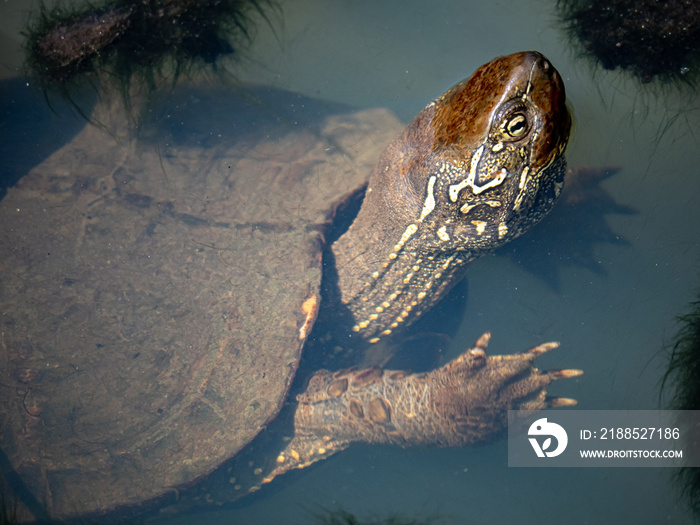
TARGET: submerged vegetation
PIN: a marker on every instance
(682, 379)
(149, 41)
(648, 38)
(343, 517)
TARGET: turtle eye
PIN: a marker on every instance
(516, 126)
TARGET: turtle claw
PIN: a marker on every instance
(542, 349)
(564, 374)
(559, 402)
(483, 341)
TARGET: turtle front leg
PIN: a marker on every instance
(462, 403)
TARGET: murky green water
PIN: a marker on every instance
(612, 322)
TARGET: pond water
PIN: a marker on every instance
(612, 316)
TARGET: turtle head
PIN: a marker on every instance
(497, 153)
(477, 167)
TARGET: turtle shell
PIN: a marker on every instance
(156, 294)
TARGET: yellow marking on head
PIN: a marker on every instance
(518, 202)
(523, 178)
(392, 255)
(480, 226)
(375, 275)
(379, 309)
(407, 279)
(475, 164)
(407, 234)
(466, 207)
(356, 328)
(321, 450)
(385, 304)
(502, 230)
(442, 233)
(421, 295)
(455, 189)
(415, 268)
(493, 182)
(497, 147)
(429, 204)
(373, 340)
(280, 458)
(295, 454)
(386, 332)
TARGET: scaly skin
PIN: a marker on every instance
(476, 168)
(465, 402)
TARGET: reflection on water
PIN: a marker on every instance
(611, 322)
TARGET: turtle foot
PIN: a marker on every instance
(464, 402)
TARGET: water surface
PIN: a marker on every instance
(612, 319)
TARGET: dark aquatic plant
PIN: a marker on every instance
(649, 38)
(125, 40)
(682, 381)
(343, 517)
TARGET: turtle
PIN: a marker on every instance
(156, 300)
